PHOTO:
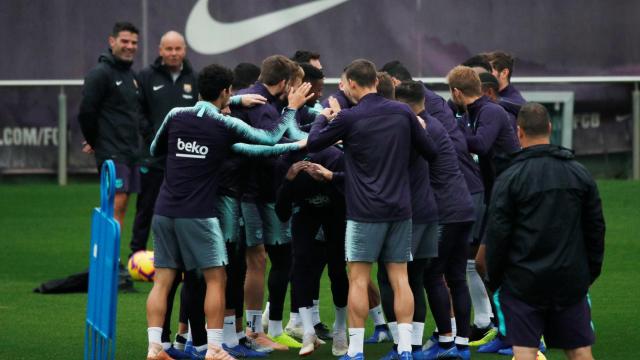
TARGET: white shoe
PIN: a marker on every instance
(295, 331)
(309, 344)
(340, 345)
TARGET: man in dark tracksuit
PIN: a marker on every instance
(502, 69)
(167, 83)
(111, 114)
(545, 244)
(312, 206)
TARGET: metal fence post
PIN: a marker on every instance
(636, 132)
(62, 137)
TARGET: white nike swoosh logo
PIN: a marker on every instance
(118, 83)
(207, 35)
(156, 88)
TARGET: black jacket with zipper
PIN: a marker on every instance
(110, 112)
(160, 94)
(545, 232)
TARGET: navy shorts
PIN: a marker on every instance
(127, 177)
(563, 327)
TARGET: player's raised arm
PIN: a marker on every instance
(253, 150)
(326, 131)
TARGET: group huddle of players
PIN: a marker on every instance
(255, 163)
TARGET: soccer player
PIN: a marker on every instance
(490, 89)
(111, 114)
(563, 255)
(186, 227)
(262, 227)
(310, 57)
(424, 233)
(244, 75)
(378, 136)
(319, 205)
(479, 63)
(502, 69)
(490, 136)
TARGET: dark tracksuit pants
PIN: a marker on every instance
(450, 265)
(149, 188)
(305, 276)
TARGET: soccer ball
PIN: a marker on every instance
(141, 266)
(539, 357)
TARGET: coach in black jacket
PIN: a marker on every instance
(545, 243)
(110, 113)
(167, 83)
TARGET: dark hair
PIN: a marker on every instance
(501, 60)
(385, 86)
(212, 80)
(411, 92)
(311, 73)
(478, 60)
(304, 56)
(244, 75)
(123, 26)
(274, 69)
(489, 81)
(362, 71)
(397, 70)
(534, 120)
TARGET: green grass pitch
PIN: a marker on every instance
(44, 234)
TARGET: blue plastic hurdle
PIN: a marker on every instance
(100, 332)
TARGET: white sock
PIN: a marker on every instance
(356, 341)
(189, 336)
(229, 331)
(306, 315)
(275, 328)
(462, 341)
(445, 339)
(377, 316)
(393, 327)
(166, 345)
(340, 323)
(254, 321)
(214, 337)
(405, 335)
(202, 347)
(479, 299)
(454, 330)
(294, 320)
(316, 312)
(155, 335)
(418, 330)
(266, 310)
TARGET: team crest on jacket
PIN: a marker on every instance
(187, 88)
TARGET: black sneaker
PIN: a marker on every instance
(323, 332)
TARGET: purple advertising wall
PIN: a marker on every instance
(62, 39)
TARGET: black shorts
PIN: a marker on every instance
(563, 327)
(127, 177)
